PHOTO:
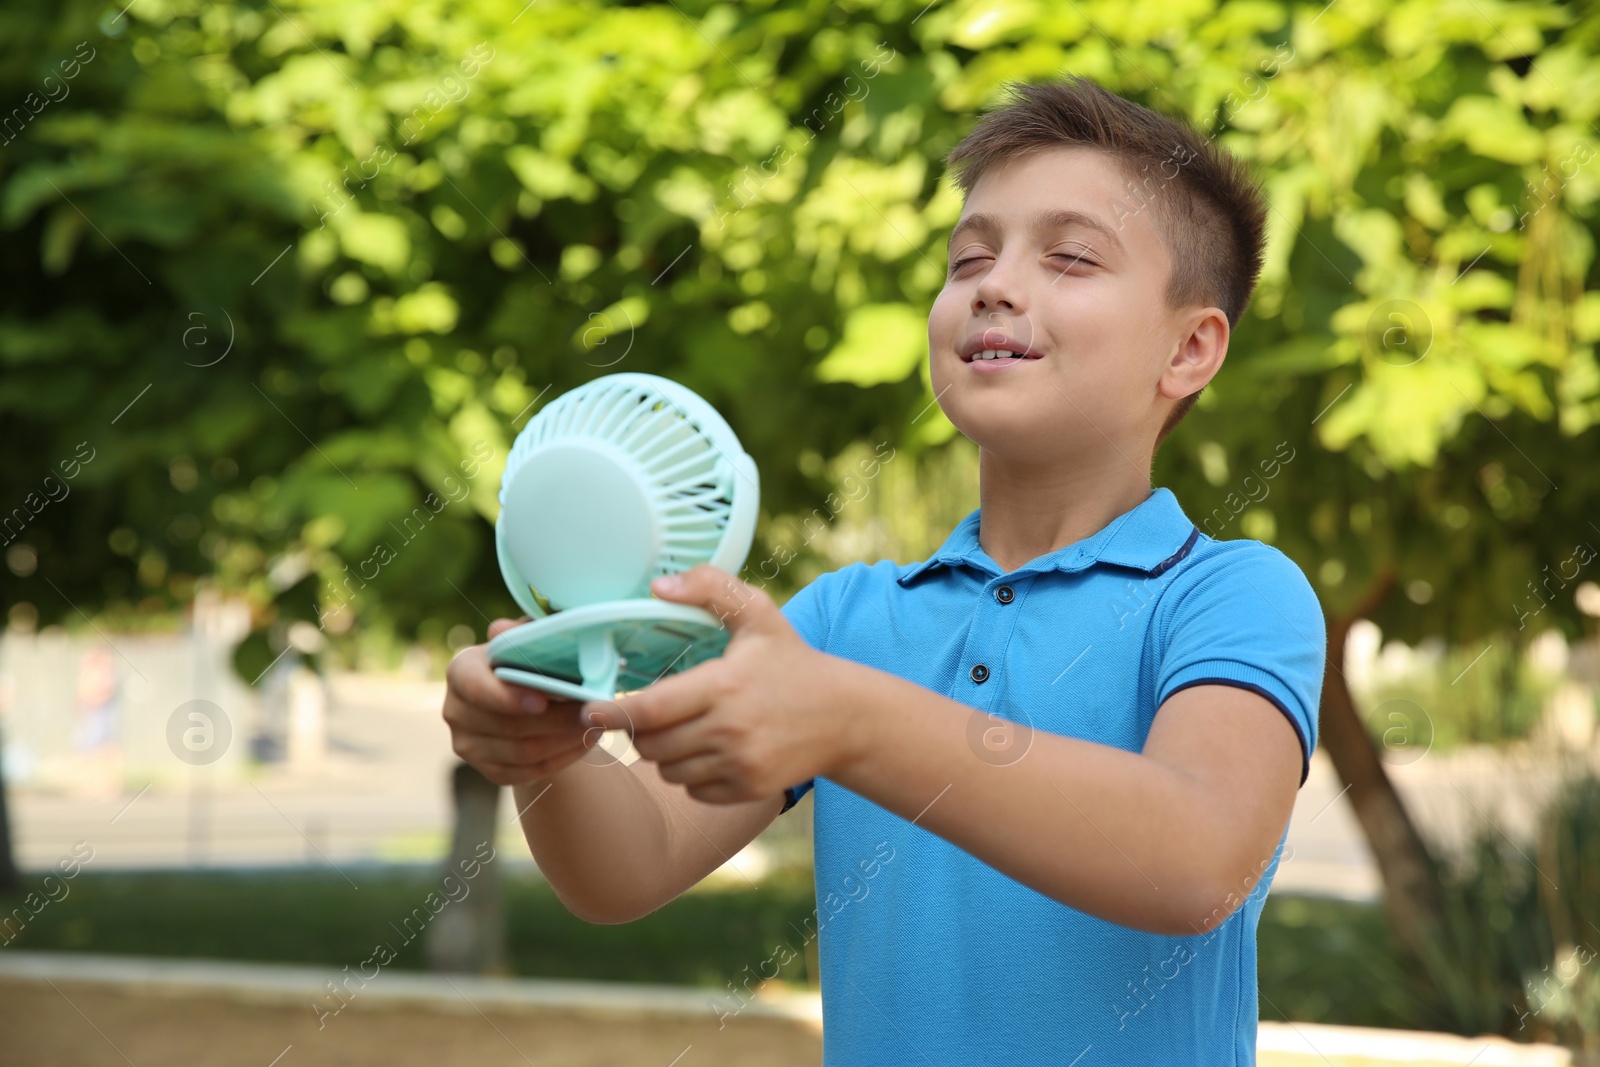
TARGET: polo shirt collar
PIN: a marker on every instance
(1150, 537)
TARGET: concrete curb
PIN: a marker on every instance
(300, 986)
(1314, 1043)
(1278, 1044)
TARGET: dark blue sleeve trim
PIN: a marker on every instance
(1305, 750)
(794, 793)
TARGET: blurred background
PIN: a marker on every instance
(284, 279)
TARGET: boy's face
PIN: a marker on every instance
(1085, 296)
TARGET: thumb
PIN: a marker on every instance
(736, 603)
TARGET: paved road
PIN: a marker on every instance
(382, 796)
(382, 793)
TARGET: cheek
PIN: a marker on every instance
(940, 373)
(945, 320)
(945, 316)
(1104, 330)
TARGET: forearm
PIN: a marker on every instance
(599, 835)
(1108, 832)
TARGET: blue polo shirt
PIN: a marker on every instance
(931, 956)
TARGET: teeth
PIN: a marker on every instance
(992, 353)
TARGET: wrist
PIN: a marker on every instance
(524, 793)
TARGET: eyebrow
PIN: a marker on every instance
(1057, 218)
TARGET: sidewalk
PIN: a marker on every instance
(381, 795)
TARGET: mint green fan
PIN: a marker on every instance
(616, 482)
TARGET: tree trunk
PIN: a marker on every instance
(1413, 897)
(9, 879)
(468, 937)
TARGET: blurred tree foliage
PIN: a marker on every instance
(284, 279)
(333, 255)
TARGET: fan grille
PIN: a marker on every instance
(687, 477)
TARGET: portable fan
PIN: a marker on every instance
(621, 480)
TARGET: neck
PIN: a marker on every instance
(1030, 508)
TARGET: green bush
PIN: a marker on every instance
(1520, 952)
(287, 269)
(1457, 695)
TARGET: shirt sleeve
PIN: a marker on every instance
(1249, 618)
(805, 613)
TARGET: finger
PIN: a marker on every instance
(738, 604)
(470, 678)
(470, 719)
(719, 791)
(674, 743)
(500, 774)
(551, 765)
(668, 702)
(695, 770)
(560, 762)
(503, 774)
(525, 754)
(500, 626)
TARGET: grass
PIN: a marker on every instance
(1317, 957)
(705, 937)
(1321, 960)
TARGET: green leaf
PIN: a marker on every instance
(61, 236)
(429, 309)
(1494, 129)
(380, 240)
(881, 343)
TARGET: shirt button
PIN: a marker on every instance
(980, 673)
(1004, 594)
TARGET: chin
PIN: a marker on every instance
(1005, 431)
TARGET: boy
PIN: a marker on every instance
(1054, 764)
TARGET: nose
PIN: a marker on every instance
(998, 289)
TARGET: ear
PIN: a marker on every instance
(1198, 356)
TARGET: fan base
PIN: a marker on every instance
(557, 687)
(652, 638)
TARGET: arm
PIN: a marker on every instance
(615, 841)
(1170, 840)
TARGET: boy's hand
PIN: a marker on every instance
(748, 724)
(513, 734)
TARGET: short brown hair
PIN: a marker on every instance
(1210, 209)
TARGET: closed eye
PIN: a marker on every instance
(1074, 257)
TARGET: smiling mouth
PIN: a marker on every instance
(1000, 355)
(994, 347)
